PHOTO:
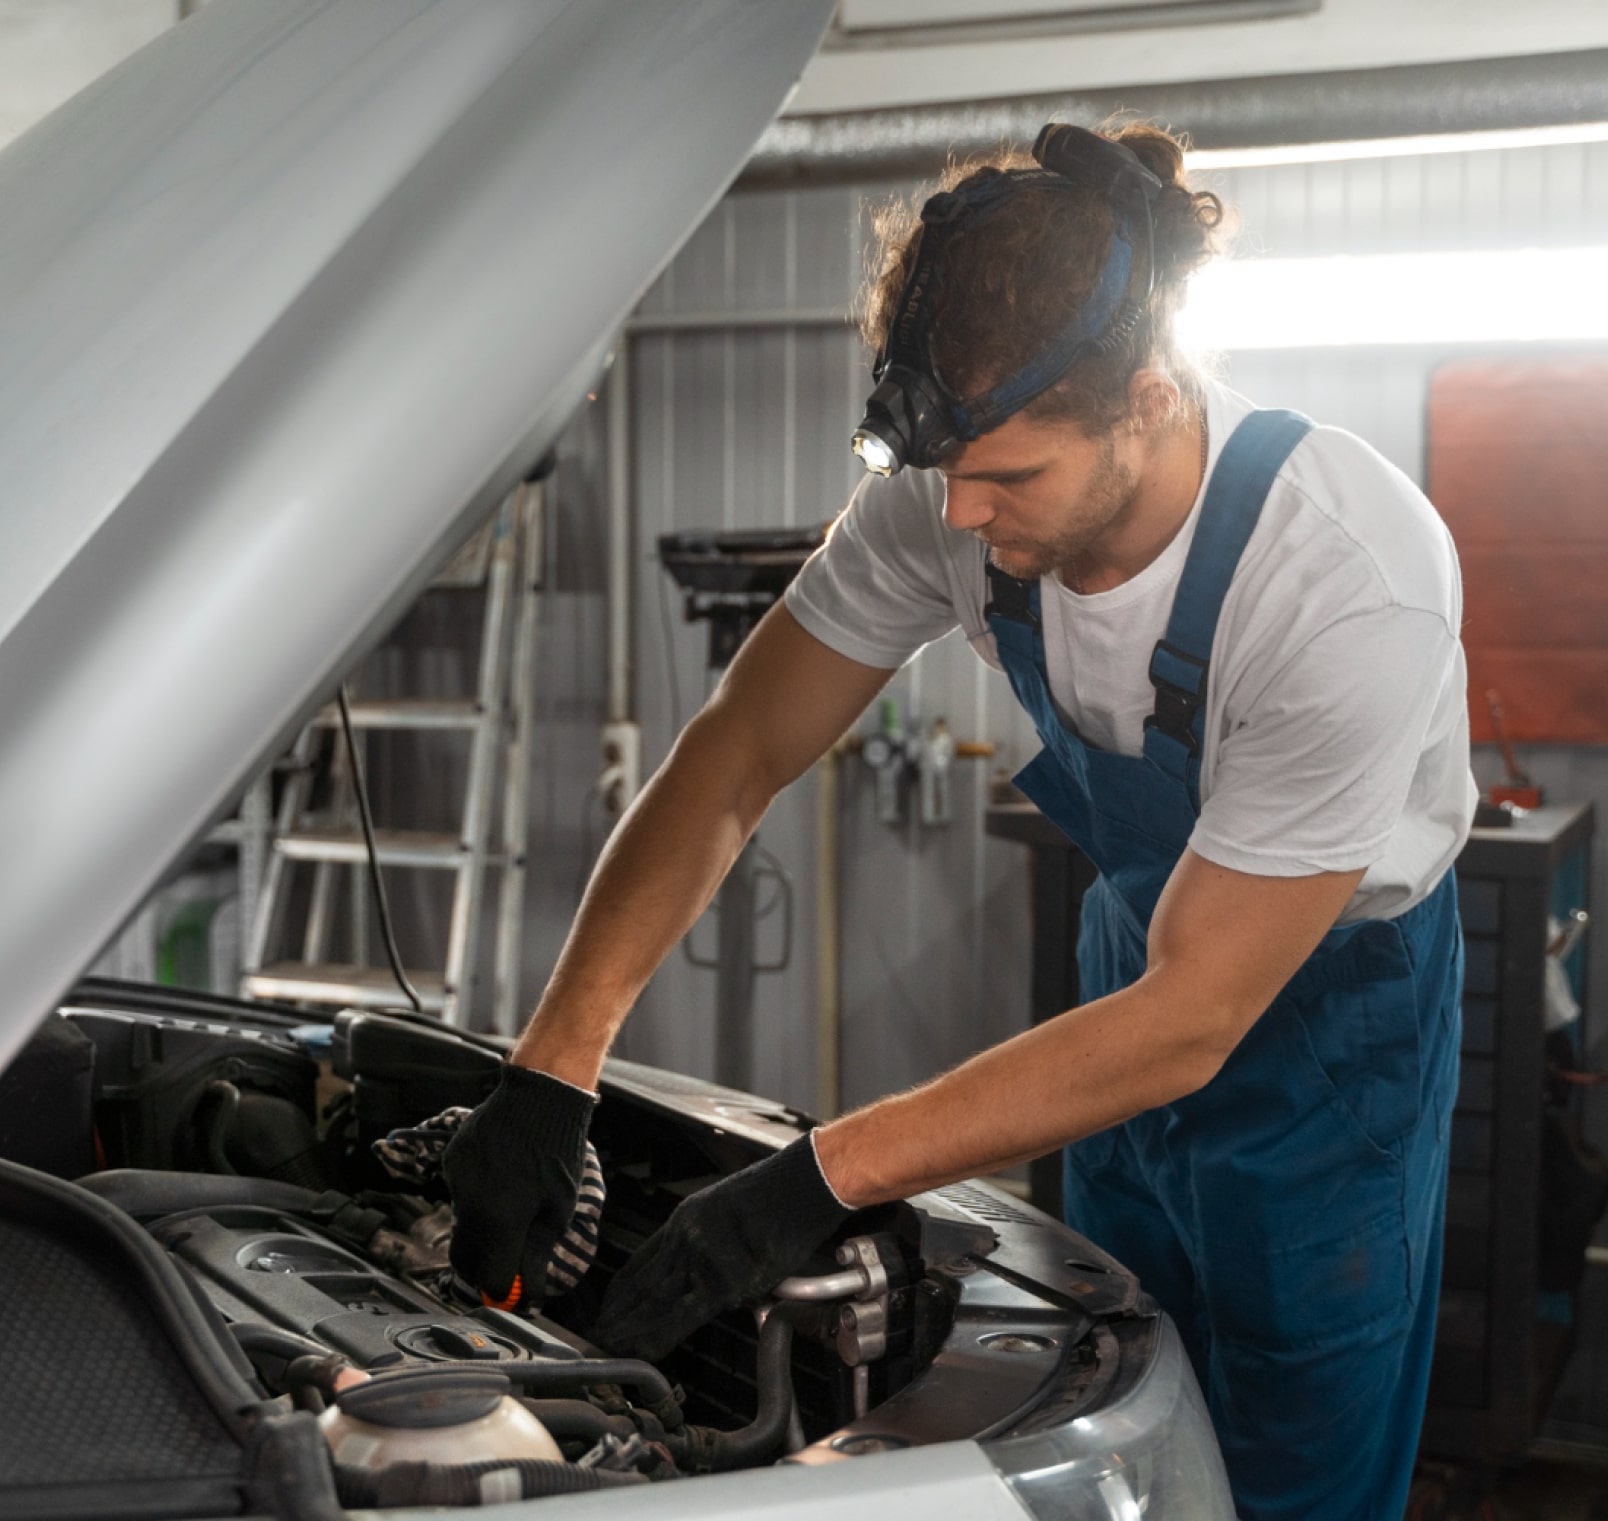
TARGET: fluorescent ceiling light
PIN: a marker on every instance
(1528, 295)
(1396, 147)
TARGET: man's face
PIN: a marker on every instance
(1039, 494)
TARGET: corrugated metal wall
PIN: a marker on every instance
(750, 429)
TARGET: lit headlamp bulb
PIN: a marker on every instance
(875, 453)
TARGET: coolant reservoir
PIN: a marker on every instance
(433, 1415)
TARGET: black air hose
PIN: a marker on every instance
(286, 1346)
(579, 1418)
(270, 1137)
(289, 1459)
(225, 1107)
(553, 1377)
(288, 1363)
(401, 1484)
(309, 1380)
(764, 1435)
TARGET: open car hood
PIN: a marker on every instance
(288, 301)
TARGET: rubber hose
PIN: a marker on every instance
(146, 1192)
(552, 1377)
(764, 1435)
(218, 1123)
(287, 1346)
(439, 1484)
(288, 1363)
(579, 1418)
(290, 1459)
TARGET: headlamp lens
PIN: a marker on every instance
(875, 453)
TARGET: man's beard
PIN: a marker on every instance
(1109, 490)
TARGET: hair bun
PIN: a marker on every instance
(1187, 223)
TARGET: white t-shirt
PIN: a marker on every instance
(1336, 732)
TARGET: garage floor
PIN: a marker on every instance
(1537, 1492)
(1554, 1492)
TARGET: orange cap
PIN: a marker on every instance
(514, 1294)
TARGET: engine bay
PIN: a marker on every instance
(241, 1139)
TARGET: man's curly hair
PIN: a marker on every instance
(1010, 281)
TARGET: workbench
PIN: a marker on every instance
(1497, 1355)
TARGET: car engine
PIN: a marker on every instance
(240, 1140)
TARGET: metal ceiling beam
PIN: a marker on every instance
(1070, 22)
(1544, 90)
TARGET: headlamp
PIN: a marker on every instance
(912, 417)
(877, 455)
(905, 423)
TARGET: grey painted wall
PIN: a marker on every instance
(750, 429)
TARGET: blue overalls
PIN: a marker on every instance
(1288, 1215)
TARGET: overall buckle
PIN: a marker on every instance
(1009, 598)
(1177, 705)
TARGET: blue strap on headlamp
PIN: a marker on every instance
(912, 417)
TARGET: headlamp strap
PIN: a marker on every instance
(1075, 155)
(909, 339)
(1099, 313)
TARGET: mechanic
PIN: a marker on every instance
(1237, 636)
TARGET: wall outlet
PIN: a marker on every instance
(621, 778)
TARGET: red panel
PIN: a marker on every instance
(1536, 598)
(1557, 696)
(1518, 467)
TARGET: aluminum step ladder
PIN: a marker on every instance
(505, 559)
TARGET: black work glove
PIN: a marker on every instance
(729, 1242)
(514, 1168)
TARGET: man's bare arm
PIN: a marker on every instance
(1222, 945)
(785, 700)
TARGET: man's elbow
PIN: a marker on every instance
(1203, 1042)
(1194, 1065)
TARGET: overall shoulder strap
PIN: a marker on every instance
(1245, 470)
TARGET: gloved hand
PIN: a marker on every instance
(413, 1153)
(514, 1170)
(728, 1242)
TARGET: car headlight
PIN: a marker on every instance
(1150, 1454)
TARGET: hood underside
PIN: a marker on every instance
(288, 301)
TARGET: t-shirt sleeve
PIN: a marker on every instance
(1314, 775)
(879, 589)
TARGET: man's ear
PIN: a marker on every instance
(1154, 399)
